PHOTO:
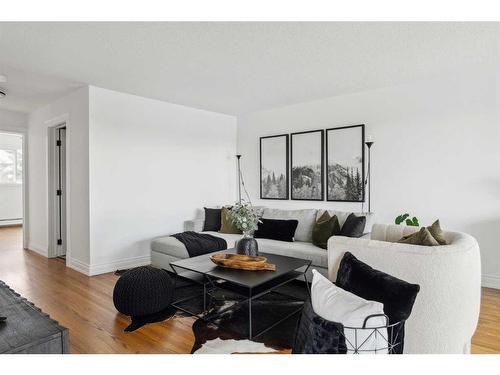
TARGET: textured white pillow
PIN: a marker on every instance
(338, 305)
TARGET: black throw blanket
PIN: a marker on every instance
(200, 243)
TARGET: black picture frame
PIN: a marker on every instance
(321, 163)
(362, 145)
(287, 166)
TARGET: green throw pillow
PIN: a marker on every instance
(226, 225)
(324, 228)
(423, 237)
(437, 232)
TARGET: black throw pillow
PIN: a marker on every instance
(212, 219)
(274, 229)
(354, 226)
(398, 296)
(315, 335)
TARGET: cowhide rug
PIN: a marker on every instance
(227, 333)
(219, 346)
(233, 324)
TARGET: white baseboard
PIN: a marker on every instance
(97, 269)
(42, 250)
(8, 223)
(78, 266)
(489, 281)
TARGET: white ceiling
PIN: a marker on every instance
(28, 90)
(232, 68)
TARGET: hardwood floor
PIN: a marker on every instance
(84, 305)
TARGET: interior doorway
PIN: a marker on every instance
(57, 191)
(12, 170)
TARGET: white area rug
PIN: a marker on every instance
(219, 346)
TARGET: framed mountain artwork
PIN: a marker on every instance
(307, 165)
(345, 164)
(274, 167)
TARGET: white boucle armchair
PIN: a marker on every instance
(446, 311)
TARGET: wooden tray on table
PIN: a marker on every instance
(242, 262)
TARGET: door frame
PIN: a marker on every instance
(52, 126)
(24, 134)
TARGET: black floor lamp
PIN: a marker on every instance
(239, 178)
(241, 183)
(368, 181)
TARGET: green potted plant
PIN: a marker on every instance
(244, 217)
(413, 222)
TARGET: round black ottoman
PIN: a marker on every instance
(143, 291)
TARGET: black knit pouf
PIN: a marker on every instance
(143, 291)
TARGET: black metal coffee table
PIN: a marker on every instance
(250, 285)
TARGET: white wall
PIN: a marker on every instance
(436, 152)
(11, 195)
(152, 165)
(72, 108)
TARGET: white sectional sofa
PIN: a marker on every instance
(446, 310)
(167, 249)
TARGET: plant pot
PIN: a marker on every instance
(247, 246)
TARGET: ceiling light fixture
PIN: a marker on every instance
(2, 94)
